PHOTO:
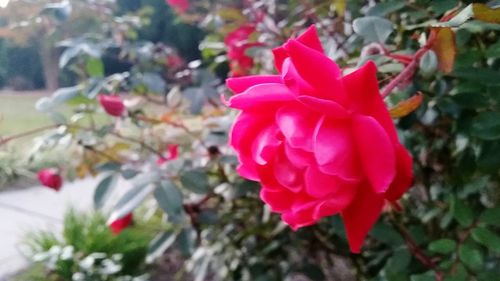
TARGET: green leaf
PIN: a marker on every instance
(399, 261)
(427, 276)
(488, 158)
(62, 95)
(386, 234)
(462, 213)
(486, 237)
(170, 199)
(186, 241)
(160, 244)
(441, 6)
(95, 67)
(103, 190)
(471, 256)
(385, 8)
(142, 186)
(487, 126)
(195, 181)
(443, 246)
(429, 62)
(491, 216)
(373, 29)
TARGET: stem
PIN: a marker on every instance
(27, 133)
(417, 252)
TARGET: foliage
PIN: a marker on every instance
(438, 63)
(88, 250)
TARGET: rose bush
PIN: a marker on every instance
(320, 143)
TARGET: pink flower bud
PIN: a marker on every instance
(113, 105)
(120, 224)
(50, 178)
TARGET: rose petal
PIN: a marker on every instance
(361, 215)
(334, 150)
(310, 39)
(404, 175)
(297, 125)
(318, 70)
(261, 94)
(298, 157)
(280, 55)
(292, 79)
(265, 144)
(241, 84)
(321, 185)
(376, 150)
(364, 97)
(327, 107)
(279, 201)
(287, 174)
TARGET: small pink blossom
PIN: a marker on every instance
(320, 143)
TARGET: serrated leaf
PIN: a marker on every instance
(443, 246)
(486, 237)
(373, 29)
(445, 48)
(195, 181)
(103, 190)
(170, 199)
(406, 107)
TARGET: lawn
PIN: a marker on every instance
(18, 113)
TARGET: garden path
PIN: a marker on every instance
(31, 209)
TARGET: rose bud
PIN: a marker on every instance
(319, 142)
(172, 153)
(113, 105)
(50, 178)
(120, 224)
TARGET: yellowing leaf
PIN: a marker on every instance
(340, 6)
(406, 107)
(232, 14)
(484, 13)
(445, 49)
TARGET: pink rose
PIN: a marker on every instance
(180, 6)
(171, 154)
(120, 224)
(320, 143)
(50, 178)
(237, 42)
(113, 105)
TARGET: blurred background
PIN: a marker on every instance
(114, 163)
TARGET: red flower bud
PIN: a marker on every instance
(113, 105)
(172, 153)
(120, 224)
(50, 178)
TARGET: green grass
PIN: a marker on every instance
(18, 113)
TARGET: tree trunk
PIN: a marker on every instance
(50, 64)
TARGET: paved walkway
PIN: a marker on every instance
(35, 208)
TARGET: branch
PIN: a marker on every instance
(418, 253)
(27, 133)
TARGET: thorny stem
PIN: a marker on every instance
(417, 252)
